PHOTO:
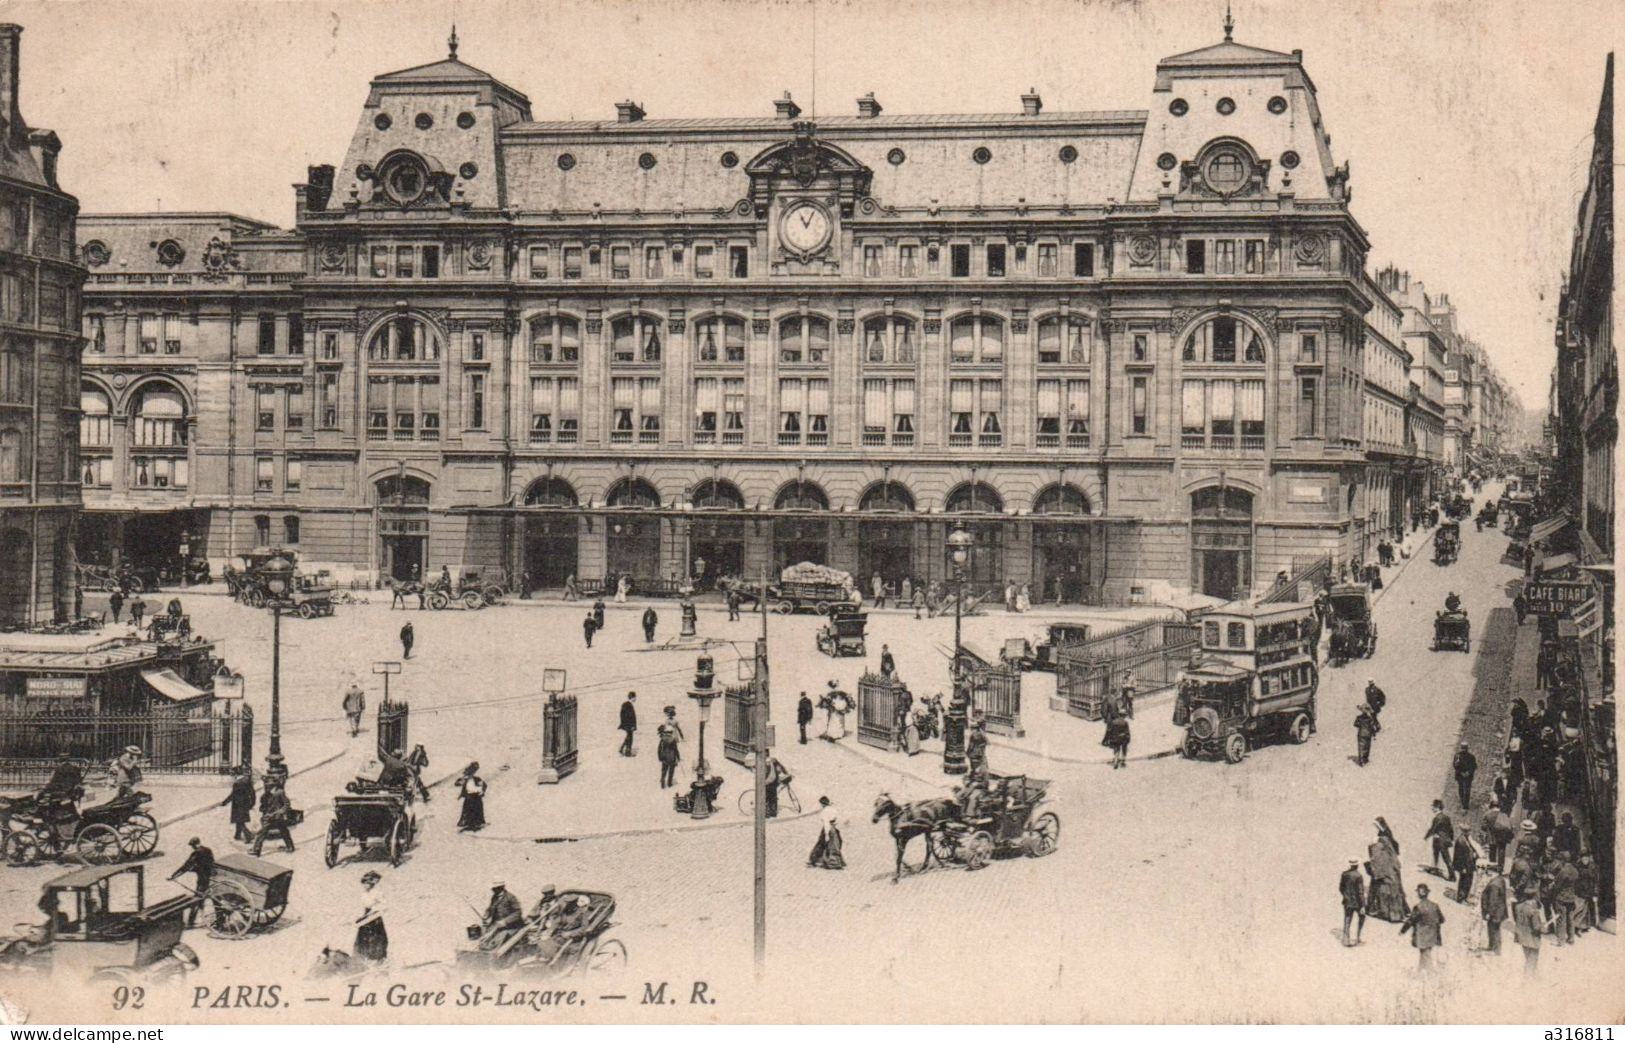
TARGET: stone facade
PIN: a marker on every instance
(1123, 348)
(40, 282)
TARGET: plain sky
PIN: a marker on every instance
(1467, 123)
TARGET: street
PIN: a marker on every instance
(1221, 880)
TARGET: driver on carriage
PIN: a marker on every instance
(1452, 603)
(400, 773)
(66, 784)
(502, 918)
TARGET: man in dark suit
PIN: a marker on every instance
(1443, 834)
(1426, 923)
(241, 799)
(1492, 905)
(650, 621)
(1464, 767)
(200, 862)
(1351, 885)
(804, 716)
(1504, 792)
(629, 722)
(276, 817)
(1464, 861)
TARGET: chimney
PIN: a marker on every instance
(10, 39)
(868, 107)
(786, 109)
(1031, 103)
(628, 112)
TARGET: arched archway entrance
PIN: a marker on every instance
(550, 539)
(886, 545)
(985, 570)
(1061, 545)
(1222, 541)
(634, 542)
(798, 539)
(403, 526)
(716, 546)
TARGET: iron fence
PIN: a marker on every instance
(172, 743)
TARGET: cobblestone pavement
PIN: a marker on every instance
(1220, 879)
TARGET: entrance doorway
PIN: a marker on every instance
(403, 555)
(1222, 542)
(715, 549)
(550, 550)
(634, 550)
(886, 549)
(800, 540)
(1061, 563)
(16, 569)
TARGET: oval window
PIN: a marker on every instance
(465, 120)
(1277, 105)
(895, 157)
(1226, 106)
(647, 161)
(566, 161)
(1289, 159)
(1179, 107)
(469, 171)
(1167, 161)
(424, 121)
(730, 160)
(382, 121)
(981, 155)
(1069, 154)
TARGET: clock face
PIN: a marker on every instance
(804, 227)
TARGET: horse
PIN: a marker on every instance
(911, 820)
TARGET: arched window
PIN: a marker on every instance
(1222, 502)
(1061, 499)
(713, 494)
(976, 339)
(159, 413)
(634, 339)
(555, 340)
(887, 496)
(404, 338)
(402, 491)
(801, 496)
(889, 339)
(1223, 339)
(96, 420)
(804, 339)
(632, 492)
(1067, 341)
(719, 339)
(13, 462)
(550, 492)
(974, 497)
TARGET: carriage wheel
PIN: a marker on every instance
(608, 955)
(397, 841)
(1043, 835)
(22, 849)
(473, 599)
(1192, 747)
(1235, 748)
(334, 836)
(438, 600)
(270, 914)
(1298, 732)
(824, 608)
(978, 849)
(784, 608)
(231, 914)
(305, 610)
(491, 595)
(97, 845)
(747, 801)
(137, 835)
(135, 585)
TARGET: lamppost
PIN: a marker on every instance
(703, 692)
(278, 575)
(960, 543)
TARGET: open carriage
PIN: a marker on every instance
(1447, 543)
(843, 634)
(246, 893)
(370, 811)
(1452, 630)
(1005, 821)
(113, 831)
(541, 948)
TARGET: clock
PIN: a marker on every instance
(804, 228)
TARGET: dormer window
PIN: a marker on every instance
(405, 178)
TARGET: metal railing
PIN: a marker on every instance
(31, 743)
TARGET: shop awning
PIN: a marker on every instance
(1556, 562)
(171, 685)
(1547, 528)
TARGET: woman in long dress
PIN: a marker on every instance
(1387, 897)
(826, 853)
(1024, 598)
(911, 734)
(471, 788)
(669, 734)
(371, 939)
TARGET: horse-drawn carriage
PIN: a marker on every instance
(39, 828)
(1023, 655)
(307, 596)
(843, 634)
(1354, 632)
(1457, 507)
(1447, 543)
(999, 818)
(1489, 514)
(1452, 630)
(548, 944)
(805, 587)
(99, 926)
(372, 810)
(246, 893)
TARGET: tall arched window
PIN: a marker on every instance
(550, 492)
(1064, 341)
(160, 416)
(96, 419)
(974, 339)
(889, 339)
(635, 339)
(404, 338)
(1223, 339)
(555, 340)
(719, 339)
(804, 339)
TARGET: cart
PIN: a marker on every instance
(383, 816)
(1011, 825)
(1018, 652)
(1447, 543)
(246, 893)
(843, 634)
(1452, 630)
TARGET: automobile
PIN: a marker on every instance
(1452, 630)
(843, 634)
(1023, 655)
(1354, 632)
(98, 926)
(1253, 680)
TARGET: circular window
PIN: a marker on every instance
(1226, 171)
(566, 161)
(423, 121)
(730, 160)
(1226, 106)
(364, 172)
(405, 178)
(171, 253)
(981, 155)
(1069, 154)
(382, 121)
(468, 171)
(1167, 161)
(1289, 159)
(96, 253)
(1277, 105)
(647, 161)
(465, 120)
(895, 157)
(1179, 107)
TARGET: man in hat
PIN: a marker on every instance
(1351, 885)
(1442, 832)
(888, 664)
(629, 722)
(276, 816)
(1585, 894)
(115, 602)
(1464, 767)
(1498, 835)
(650, 620)
(568, 925)
(1565, 882)
(1566, 837)
(355, 703)
(1504, 793)
(1528, 924)
(598, 614)
(407, 637)
(1375, 697)
(241, 800)
(804, 715)
(1365, 728)
(138, 608)
(201, 863)
(66, 779)
(1464, 862)
(543, 906)
(1425, 923)
(589, 627)
(503, 915)
(127, 770)
(1492, 906)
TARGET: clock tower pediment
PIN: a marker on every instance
(804, 187)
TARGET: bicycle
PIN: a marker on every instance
(787, 796)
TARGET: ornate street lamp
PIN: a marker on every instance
(703, 692)
(960, 543)
(278, 576)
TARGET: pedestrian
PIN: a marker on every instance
(911, 733)
(371, 939)
(650, 621)
(471, 791)
(1566, 838)
(127, 770)
(919, 601)
(976, 748)
(1129, 687)
(804, 716)
(888, 665)
(733, 604)
(1464, 767)
(1386, 898)
(905, 592)
(276, 817)
(1443, 834)
(1352, 887)
(1009, 595)
(598, 614)
(1565, 897)
(877, 589)
(570, 591)
(1585, 894)
(1492, 906)
(1503, 792)
(1529, 846)
(1528, 924)
(629, 722)
(418, 760)
(406, 640)
(138, 608)
(776, 777)
(1464, 861)
(1499, 834)
(1426, 924)
(1117, 738)
(589, 627)
(355, 703)
(669, 734)
(1520, 605)
(826, 853)
(201, 863)
(241, 802)
(78, 602)
(623, 587)
(1375, 698)
(1365, 728)
(837, 704)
